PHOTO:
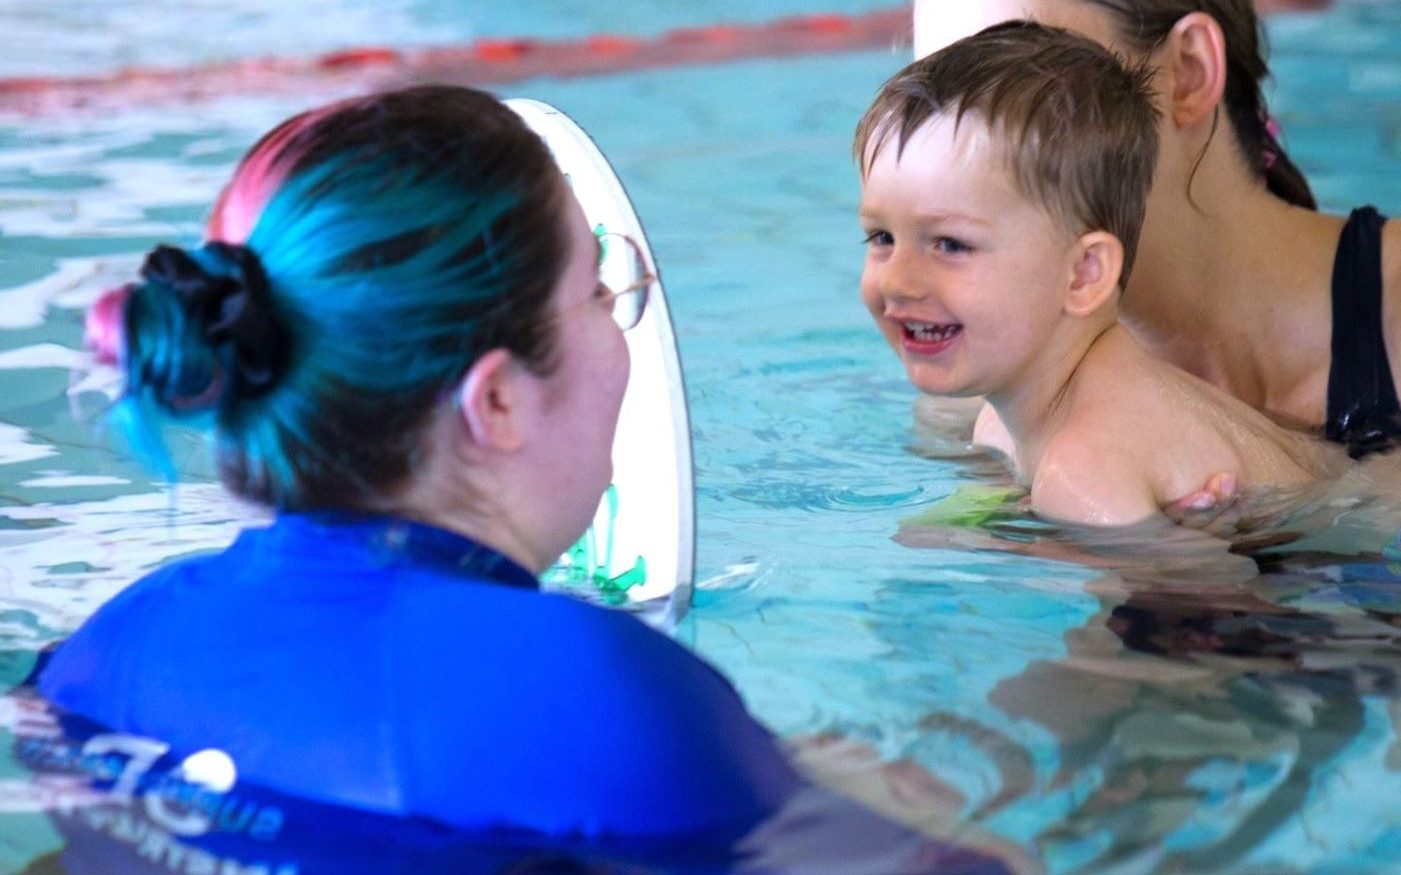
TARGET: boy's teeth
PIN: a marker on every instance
(929, 332)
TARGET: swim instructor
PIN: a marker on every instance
(399, 339)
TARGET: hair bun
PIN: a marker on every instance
(223, 289)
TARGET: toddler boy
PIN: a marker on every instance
(1004, 181)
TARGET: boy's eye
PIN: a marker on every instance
(951, 246)
(879, 238)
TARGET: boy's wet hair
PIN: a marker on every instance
(1077, 125)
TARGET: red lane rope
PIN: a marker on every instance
(484, 62)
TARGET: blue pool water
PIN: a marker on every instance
(1093, 719)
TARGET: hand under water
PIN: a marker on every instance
(1215, 508)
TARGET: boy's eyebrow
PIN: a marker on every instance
(936, 218)
(952, 215)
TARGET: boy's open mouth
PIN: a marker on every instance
(929, 337)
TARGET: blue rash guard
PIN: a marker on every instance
(385, 665)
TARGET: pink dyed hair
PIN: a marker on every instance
(232, 220)
(258, 175)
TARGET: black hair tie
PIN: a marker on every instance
(228, 295)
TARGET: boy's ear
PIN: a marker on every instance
(494, 399)
(1094, 277)
(1193, 58)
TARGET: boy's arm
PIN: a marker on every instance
(1213, 508)
(1088, 483)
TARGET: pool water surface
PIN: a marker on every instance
(1107, 708)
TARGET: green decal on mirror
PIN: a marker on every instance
(586, 564)
(601, 233)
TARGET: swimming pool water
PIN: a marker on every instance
(1099, 720)
(90, 36)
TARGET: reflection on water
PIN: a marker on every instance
(1231, 698)
(1208, 722)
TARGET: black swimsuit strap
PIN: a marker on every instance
(1363, 410)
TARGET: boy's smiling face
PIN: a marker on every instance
(965, 276)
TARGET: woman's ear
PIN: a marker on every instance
(1193, 60)
(494, 401)
(1094, 277)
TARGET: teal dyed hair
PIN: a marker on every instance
(405, 235)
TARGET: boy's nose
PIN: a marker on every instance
(902, 279)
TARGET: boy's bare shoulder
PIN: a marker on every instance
(1088, 475)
